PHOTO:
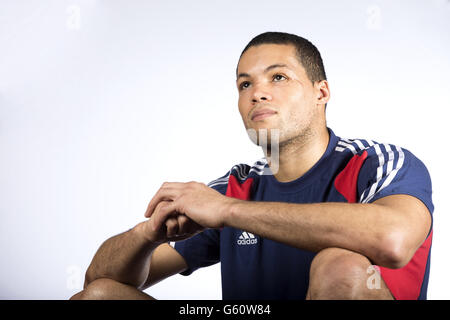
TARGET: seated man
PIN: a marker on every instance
(319, 217)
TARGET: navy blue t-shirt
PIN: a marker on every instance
(350, 170)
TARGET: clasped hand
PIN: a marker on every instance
(180, 210)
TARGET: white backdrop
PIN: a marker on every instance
(103, 101)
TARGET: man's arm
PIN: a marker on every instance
(165, 262)
(388, 231)
(140, 257)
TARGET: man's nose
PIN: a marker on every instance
(260, 93)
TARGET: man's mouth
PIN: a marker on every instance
(262, 114)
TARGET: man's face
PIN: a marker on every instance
(275, 92)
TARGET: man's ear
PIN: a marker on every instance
(323, 91)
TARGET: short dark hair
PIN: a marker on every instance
(307, 53)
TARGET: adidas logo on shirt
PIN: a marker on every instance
(247, 238)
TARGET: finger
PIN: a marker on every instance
(172, 227)
(183, 224)
(160, 205)
(168, 191)
(187, 225)
(162, 214)
(165, 193)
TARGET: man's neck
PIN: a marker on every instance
(299, 155)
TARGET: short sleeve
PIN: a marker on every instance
(390, 170)
(203, 249)
(200, 251)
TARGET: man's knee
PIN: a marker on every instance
(338, 274)
(99, 289)
(107, 289)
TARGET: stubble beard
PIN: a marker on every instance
(286, 141)
(290, 143)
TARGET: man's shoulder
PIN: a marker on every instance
(375, 157)
(241, 172)
(371, 149)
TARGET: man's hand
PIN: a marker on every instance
(176, 227)
(202, 204)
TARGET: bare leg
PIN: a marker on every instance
(107, 289)
(342, 274)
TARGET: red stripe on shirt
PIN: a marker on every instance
(238, 190)
(404, 283)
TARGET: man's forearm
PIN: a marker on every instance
(363, 228)
(124, 258)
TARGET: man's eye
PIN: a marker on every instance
(278, 77)
(244, 85)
